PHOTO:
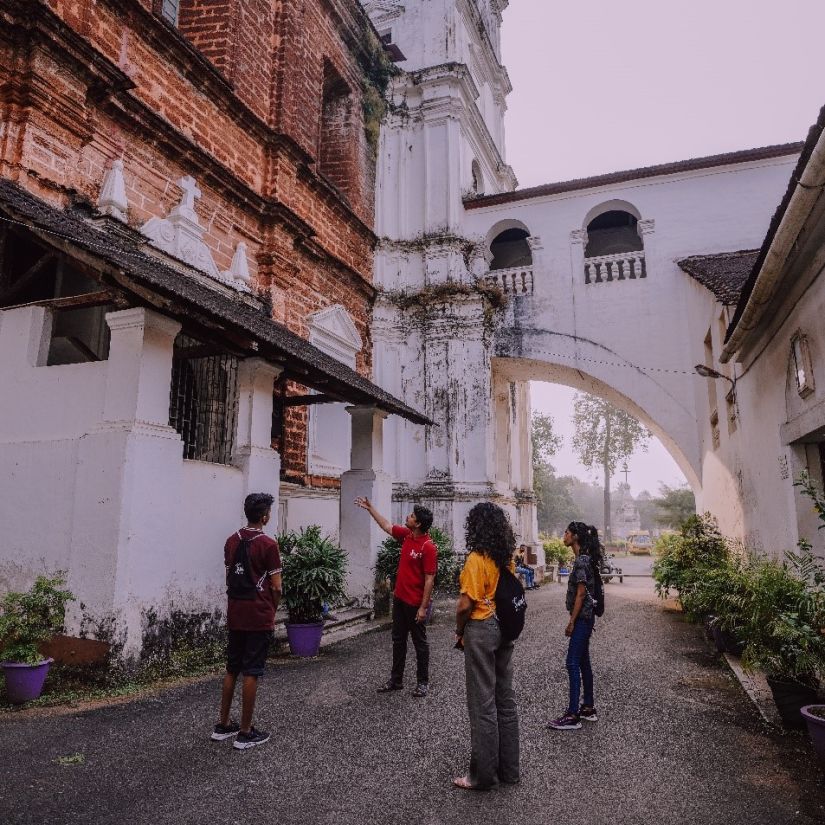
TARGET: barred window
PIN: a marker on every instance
(169, 11)
(203, 403)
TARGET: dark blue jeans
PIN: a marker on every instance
(528, 573)
(578, 664)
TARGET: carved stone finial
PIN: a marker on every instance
(239, 269)
(112, 199)
(186, 207)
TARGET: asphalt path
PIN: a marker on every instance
(677, 741)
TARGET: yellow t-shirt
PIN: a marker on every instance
(478, 581)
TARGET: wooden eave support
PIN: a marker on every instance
(90, 299)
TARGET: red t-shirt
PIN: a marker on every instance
(419, 558)
(264, 560)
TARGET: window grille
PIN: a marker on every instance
(169, 11)
(203, 403)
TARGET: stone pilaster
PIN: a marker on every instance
(360, 535)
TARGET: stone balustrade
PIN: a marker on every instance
(515, 281)
(620, 267)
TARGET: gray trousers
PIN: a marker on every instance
(491, 704)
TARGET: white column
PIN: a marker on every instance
(578, 242)
(261, 464)
(128, 480)
(647, 232)
(360, 535)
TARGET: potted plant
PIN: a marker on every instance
(783, 611)
(814, 716)
(27, 620)
(556, 554)
(447, 572)
(314, 573)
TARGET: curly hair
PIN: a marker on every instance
(488, 531)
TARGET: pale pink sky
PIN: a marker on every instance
(600, 86)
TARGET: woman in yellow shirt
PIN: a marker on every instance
(488, 657)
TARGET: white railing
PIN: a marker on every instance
(515, 281)
(622, 267)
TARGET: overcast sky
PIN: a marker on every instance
(600, 86)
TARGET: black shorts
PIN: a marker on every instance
(246, 651)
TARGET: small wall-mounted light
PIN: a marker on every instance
(709, 372)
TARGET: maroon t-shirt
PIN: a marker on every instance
(419, 557)
(264, 560)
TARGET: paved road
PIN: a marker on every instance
(677, 741)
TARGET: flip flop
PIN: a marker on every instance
(464, 783)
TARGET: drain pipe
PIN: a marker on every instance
(808, 190)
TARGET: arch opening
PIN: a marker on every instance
(627, 509)
(611, 233)
(510, 249)
(530, 370)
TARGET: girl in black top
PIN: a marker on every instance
(580, 589)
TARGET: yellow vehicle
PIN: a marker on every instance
(639, 543)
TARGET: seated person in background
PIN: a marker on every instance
(521, 567)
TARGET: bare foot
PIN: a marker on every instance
(463, 782)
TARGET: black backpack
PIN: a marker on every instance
(239, 582)
(511, 605)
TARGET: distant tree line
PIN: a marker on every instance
(604, 437)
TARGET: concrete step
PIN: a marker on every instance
(349, 622)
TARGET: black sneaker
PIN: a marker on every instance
(222, 732)
(421, 690)
(566, 722)
(388, 686)
(251, 739)
(588, 713)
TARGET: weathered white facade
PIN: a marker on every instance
(775, 349)
(94, 477)
(628, 325)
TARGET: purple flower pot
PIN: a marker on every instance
(25, 682)
(816, 729)
(305, 639)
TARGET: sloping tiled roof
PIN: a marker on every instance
(187, 296)
(805, 155)
(679, 167)
(724, 274)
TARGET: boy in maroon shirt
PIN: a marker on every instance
(254, 578)
(413, 590)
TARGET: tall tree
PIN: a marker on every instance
(604, 437)
(550, 496)
(674, 505)
(543, 438)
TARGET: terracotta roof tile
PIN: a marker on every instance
(678, 167)
(187, 295)
(723, 274)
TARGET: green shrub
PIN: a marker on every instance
(783, 613)
(27, 619)
(556, 553)
(446, 577)
(683, 561)
(314, 572)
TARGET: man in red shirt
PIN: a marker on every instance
(413, 590)
(253, 579)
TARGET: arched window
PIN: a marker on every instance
(510, 249)
(611, 233)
